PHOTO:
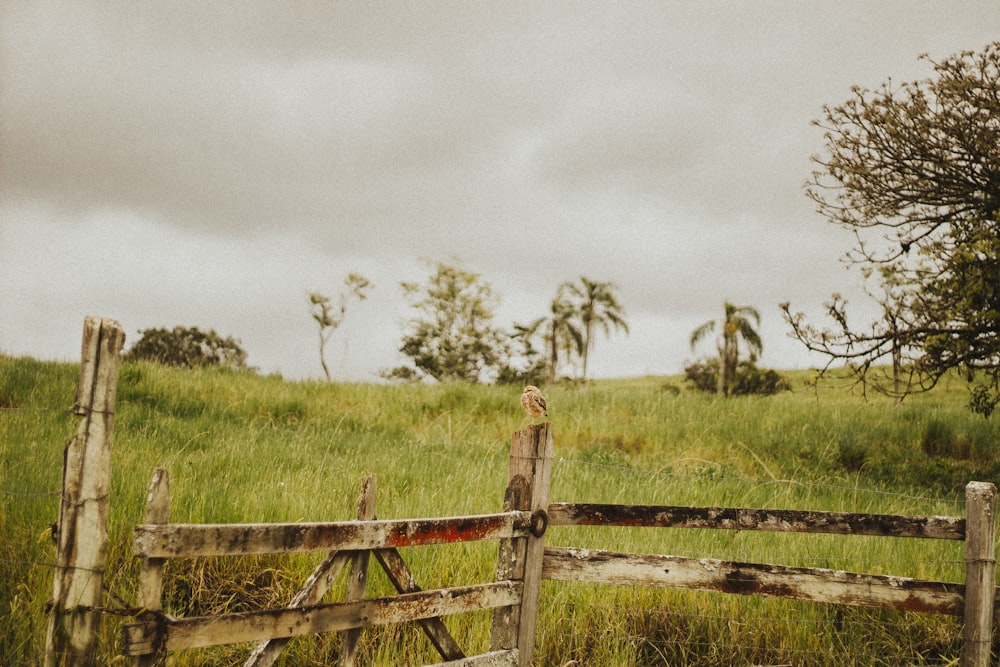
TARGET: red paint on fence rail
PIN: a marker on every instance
(237, 539)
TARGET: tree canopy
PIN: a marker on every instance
(187, 347)
(596, 305)
(913, 170)
(576, 312)
(737, 324)
(452, 335)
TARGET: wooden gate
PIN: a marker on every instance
(519, 529)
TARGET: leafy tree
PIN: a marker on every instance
(452, 336)
(329, 318)
(864, 352)
(736, 325)
(187, 348)
(594, 305)
(534, 369)
(914, 171)
(748, 380)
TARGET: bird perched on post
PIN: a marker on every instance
(534, 403)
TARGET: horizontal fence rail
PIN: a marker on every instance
(198, 632)
(177, 540)
(733, 518)
(709, 574)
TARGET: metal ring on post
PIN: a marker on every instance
(539, 522)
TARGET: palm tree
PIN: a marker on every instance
(595, 304)
(563, 334)
(736, 325)
(559, 332)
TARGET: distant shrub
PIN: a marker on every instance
(851, 455)
(703, 375)
(940, 439)
(187, 348)
(753, 380)
(750, 380)
(536, 373)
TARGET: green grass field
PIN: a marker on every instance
(245, 448)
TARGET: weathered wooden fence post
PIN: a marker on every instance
(74, 618)
(980, 572)
(151, 571)
(520, 559)
(358, 580)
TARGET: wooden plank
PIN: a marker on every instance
(312, 592)
(238, 539)
(401, 577)
(508, 658)
(82, 536)
(734, 518)
(198, 632)
(706, 574)
(151, 569)
(980, 574)
(529, 474)
(357, 582)
(510, 565)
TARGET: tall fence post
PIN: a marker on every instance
(520, 559)
(980, 572)
(74, 617)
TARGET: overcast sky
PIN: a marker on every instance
(209, 164)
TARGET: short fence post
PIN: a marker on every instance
(358, 578)
(530, 472)
(151, 570)
(980, 572)
(74, 617)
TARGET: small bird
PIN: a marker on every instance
(534, 403)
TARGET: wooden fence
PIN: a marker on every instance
(523, 559)
(974, 601)
(519, 528)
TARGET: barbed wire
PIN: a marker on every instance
(757, 481)
(34, 494)
(53, 566)
(673, 612)
(67, 411)
(633, 470)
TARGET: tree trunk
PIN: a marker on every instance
(553, 352)
(720, 386)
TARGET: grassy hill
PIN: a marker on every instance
(241, 447)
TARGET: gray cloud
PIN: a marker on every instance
(207, 164)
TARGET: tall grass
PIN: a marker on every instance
(244, 448)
